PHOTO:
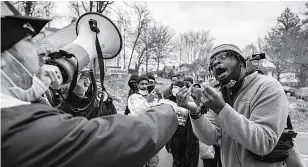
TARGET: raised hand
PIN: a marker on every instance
(212, 99)
(184, 99)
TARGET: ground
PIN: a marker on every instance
(298, 109)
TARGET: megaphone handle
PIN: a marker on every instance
(75, 77)
(102, 70)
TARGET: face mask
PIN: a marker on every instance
(143, 92)
(233, 77)
(37, 89)
(150, 88)
(175, 91)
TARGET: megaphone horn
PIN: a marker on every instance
(90, 27)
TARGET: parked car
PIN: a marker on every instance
(290, 91)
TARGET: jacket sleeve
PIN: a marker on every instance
(261, 131)
(205, 128)
(110, 141)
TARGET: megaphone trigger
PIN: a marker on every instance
(93, 26)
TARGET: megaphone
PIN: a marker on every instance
(90, 27)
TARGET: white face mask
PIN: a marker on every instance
(37, 89)
(143, 92)
(175, 91)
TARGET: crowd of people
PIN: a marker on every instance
(240, 122)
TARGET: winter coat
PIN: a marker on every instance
(39, 135)
(255, 122)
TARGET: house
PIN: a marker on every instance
(60, 38)
(45, 32)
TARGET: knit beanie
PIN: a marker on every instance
(133, 77)
(141, 78)
(179, 83)
(189, 79)
(226, 47)
(174, 75)
(150, 76)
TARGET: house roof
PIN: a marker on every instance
(59, 38)
(51, 29)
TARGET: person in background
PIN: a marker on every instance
(132, 83)
(34, 134)
(174, 78)
(189, 81)
(139, 103)
(152, 89)
(168, 92)
(184, 145)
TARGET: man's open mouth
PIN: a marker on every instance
(221, 72)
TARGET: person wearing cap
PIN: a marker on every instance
(38, 135)
(248, 113)
(184, 145)
(189, 81)
(132, 83)
(141, 101)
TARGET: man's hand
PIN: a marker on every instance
(150, 98)
(82, 85)
(184, 99)
(212, 99)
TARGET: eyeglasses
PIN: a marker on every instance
(219, 57)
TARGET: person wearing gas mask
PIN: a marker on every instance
(184, 145)
(35, 134)
(248, 113)
(132, 83)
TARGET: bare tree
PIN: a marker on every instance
(249, 50)
(146, 46)
(143, 18)
(36, 8)
(164, 44)
(81, 7)
(194, 48)
(124, 24)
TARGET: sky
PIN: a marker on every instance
(237, 22)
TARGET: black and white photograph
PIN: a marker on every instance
(154, 83)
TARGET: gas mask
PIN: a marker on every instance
(37, 89)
